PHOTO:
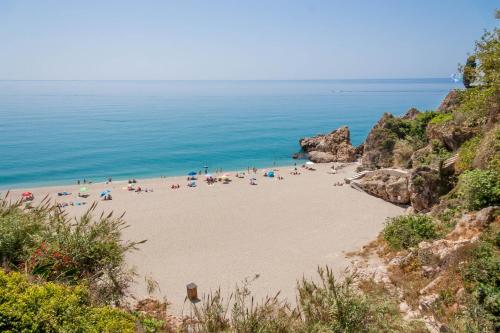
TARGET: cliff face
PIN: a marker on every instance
(381, 141)
(333, 147)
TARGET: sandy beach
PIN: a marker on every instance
(220, 234)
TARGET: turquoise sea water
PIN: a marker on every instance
(59, 131)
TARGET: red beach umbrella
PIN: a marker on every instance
(27, 194)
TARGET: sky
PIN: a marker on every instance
(237, 40)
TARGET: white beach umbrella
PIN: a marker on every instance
(309, 163)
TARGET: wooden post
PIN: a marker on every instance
(192, 292)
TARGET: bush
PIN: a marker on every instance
(51, 307)
(338, 306)
(45, 242)
(482, 277)
(479, 188)
(405, 231)
(441, 118)
(467, 153)
(241, 314)
(18, 233)
(328, 306)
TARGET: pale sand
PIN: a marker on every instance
(218, 235)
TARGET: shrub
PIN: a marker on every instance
(45, 242)
(405, 231)
(51, 307)
(18, 232)
(441, 118)
(479, 188)
(339, 306)
(332, 305)
(241, 314)
(467, 153)
(482, 277)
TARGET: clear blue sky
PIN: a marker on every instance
(275, 39)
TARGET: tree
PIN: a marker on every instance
(469, 75)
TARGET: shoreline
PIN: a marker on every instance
(59, 183)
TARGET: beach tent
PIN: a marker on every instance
(192, 173)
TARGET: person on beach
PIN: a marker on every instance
(78, 181)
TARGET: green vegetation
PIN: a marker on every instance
(479, 188)
(329, 305)
(51, 307)
(405, 231)
(467, 153)
(45, 243)
(411, 130)
(469, 72)
(482, 279)
(441, 118)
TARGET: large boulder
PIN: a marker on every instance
(321, 157)
(391, 187)
(379, 144)
(424, 187)
(333, 147)
(450, 134)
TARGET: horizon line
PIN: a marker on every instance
(331, 79)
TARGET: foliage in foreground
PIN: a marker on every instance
(327, 305)
(405, 231)
(44, 242)
(52, 307)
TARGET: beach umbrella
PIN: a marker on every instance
(27, 194)
(83, 189)
(192, 173)
(270, 174)
(309, 163)
(105, 192)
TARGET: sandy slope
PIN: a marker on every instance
(218, 235)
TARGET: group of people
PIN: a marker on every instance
(65, 204)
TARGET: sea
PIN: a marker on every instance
(56, 132)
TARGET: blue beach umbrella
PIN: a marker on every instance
(105, 192)
(192, 173)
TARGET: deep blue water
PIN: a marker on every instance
(59, 131)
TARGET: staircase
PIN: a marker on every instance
(356, 176)
(450, 161)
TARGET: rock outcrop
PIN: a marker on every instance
(392, 187)
(450, 102)
(419, 187)
(378, 146)
(333, 147)
(451, 135)
(423, 186)
(378, 150)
